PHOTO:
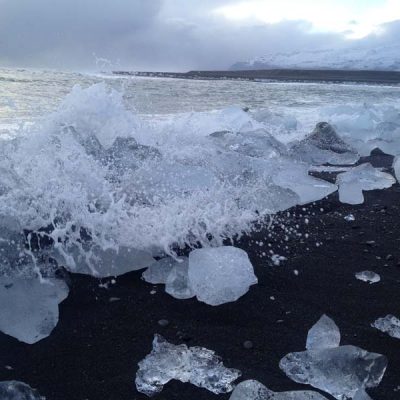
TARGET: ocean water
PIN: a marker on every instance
(99, 165)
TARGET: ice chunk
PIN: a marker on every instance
(177, 284)
(158, 271)
(323, 335)
(287, 122)
(361, 395)
(269, 199)
(340, 371)
(14, 390)
(254, 390)
(239, 169)
(196, 365)
(389, 324)
(368, 276)
(323, 146)
(29, 308)
(12, 242)
(126, 154)
(257, 143)
(102, 263)
(220, 275)
(350, 218)
(163, 180)
(363, 177)
(294, 176)
(396, 167)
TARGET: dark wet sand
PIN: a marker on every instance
(93, 352)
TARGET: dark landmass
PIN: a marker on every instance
(290, 75)
(94, 350)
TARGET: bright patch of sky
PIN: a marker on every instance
(354, 18)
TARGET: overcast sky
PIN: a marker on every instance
(183, 34)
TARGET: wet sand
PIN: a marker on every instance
(94, 350)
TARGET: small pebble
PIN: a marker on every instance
(389, 257)
(112, 299)
(349, 217)
(248, 344)
(163, 322)
(183, 336)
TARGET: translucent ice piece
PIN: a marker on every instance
(323, 335)
(294, 176)
(324, 145)
(29, 308)
(177, 284)
(196, 365)
(159, 270)
(220, 275)
(254, 390)
(389, 324)
(102, 263)
(13, 390)
(368, 276)
(363, 177)
(340, 371)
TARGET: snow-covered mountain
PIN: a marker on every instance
(384, 58)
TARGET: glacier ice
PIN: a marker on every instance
(14, 390)
(368, 276)
(350, 218)
(389, 324)
(362, 395)
(12, 244)
(220, 275)
(341, 371)
(294, 176)
(177, 284)
(363, 177)
(125, 155)
(324, 146)
(367, 126)
(102, 263)
(254, 390)
(158, 271)
(258, 143)
(29, 308)
(197, 365)
(287, 122)
(323, 335)
(268, 199)
(396, 168)
(163, 180)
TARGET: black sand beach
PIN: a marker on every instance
(103, 333)
(289, 75)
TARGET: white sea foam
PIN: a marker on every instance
(103, 178)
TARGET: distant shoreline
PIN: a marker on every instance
(286, 75)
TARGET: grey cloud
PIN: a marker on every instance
(146, 34)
